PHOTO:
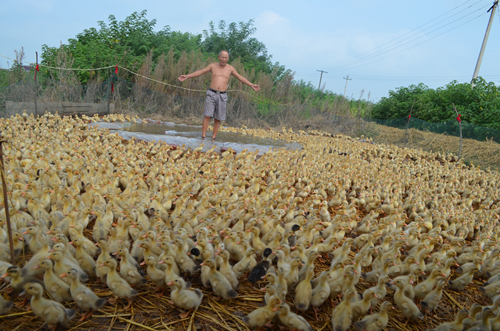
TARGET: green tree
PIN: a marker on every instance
(479, 105)
(236, 39)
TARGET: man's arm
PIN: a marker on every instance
(196, 73)
(245, 81)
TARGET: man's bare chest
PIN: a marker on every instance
(221, 73)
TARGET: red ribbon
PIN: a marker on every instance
(409, 116)
(37, 68)
(116, 69)
(459, 119)
(112, 87)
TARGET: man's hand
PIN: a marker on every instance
(254, 86)
(183, 77)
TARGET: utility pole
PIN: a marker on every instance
(322, 71)
(485, 40)
(346, 79)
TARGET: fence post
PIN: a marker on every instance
(109, 90)
(6, 205)
(459, 119)
(408, 123)
(36, 85)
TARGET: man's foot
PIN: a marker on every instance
(202, 137)
(213, 139)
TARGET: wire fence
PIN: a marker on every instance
(151, 98)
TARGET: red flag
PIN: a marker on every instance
(37, 68)
(116, 69)
(409, 116)
(112, 87)
(459, 119)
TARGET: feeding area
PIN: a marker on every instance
(115, 233)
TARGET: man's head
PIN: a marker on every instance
(223, 57)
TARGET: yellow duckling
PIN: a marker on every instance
(5, 306)
(292, 320)
(431, 300)
(360, 307)
(85, 261)
(375, 322)
(83, 296)
(102, 271)
(58, 290)
(342, 315)
(246, 264)
(405, 304)
(130, 270)
(118, 285)
(183, 296)
(303, 291)
(322, 290)
(226, 270)
(51, 312)
(262, 316)
(220, 285)
(156, 276)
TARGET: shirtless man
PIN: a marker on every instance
(215, 103)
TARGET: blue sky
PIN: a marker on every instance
(380, 44)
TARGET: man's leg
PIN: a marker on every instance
(216, 128)
(204, 127)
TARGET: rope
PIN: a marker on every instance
(49, 67)
(134, 73)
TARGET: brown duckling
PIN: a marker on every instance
(262, 316)
(183, 296)
(431, 300)
(51, 312)
(292, 320)
(375, 322)
(342, 315)
(83, 296)
(456, 325)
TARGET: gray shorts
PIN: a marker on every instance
(215, 105)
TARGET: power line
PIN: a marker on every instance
(381, 52)
(360, 65)
(409, 32)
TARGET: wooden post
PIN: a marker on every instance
(36, 86)
(408, 123)
(6, 205)
(460, 126)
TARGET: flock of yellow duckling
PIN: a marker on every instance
(411, 223)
